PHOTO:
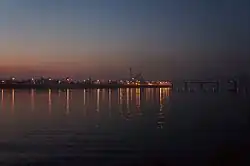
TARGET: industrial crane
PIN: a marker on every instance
(137, 77)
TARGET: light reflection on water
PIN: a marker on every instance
(138, 99)
(98, 100)
(2, 99)
(12, 100)
(32, 99)
(49, 101)
(129, 101)
(67, 101)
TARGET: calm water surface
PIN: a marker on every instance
(122, 127)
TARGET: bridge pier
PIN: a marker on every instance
(217, 86)
(201, 86)
(186, 86)
(235, 85)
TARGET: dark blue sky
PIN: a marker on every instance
(164, 39)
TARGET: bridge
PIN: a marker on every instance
(202, 84)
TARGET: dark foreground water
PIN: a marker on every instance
(123, 127)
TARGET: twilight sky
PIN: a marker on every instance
(164, 39)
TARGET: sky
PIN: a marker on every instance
(163, 39)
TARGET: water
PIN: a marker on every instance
(122, 127)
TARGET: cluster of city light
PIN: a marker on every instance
(97, 82)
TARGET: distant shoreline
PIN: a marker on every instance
(77, 86)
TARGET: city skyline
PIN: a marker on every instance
(102, 39)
